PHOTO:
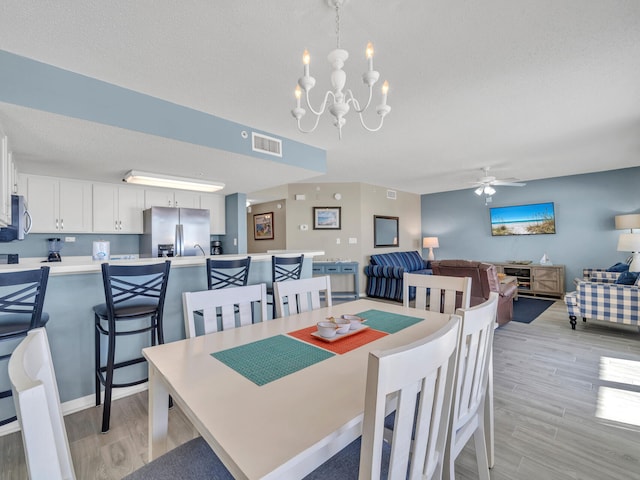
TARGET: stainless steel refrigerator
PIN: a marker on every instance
(175, 232)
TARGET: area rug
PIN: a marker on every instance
(526, 310)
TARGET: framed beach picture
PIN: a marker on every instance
(326, 218)
(263, 226)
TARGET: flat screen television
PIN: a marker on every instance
(531, 219)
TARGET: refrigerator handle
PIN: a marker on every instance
(179, 240)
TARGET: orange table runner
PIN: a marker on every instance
(341, 346)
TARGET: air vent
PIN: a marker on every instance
(391, 194)
(264, 144)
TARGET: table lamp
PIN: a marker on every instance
(430, 243)
(630, 242)
(630, 221)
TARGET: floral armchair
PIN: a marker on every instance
(598, 297)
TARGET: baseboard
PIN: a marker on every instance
(82, 403)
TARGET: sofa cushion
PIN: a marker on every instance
(627, 278)
(618, 267)
(411, 261)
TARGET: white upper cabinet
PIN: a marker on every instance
(117, 209)
(59, 205)
(215, 205)
(170, 198)
(5, 182)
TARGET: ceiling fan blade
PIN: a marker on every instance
(508, 184)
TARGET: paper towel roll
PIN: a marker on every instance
(101, 250)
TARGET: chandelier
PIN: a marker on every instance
(336, 100)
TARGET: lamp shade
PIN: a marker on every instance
(631, 221)
(430, 242)
(629, 242)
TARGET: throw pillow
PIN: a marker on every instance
(627, 278)
(619, 267)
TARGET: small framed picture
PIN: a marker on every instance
(326, 218)
(263, 226)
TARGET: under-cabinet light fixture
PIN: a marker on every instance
(170, 181)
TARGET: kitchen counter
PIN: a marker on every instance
(75, 286)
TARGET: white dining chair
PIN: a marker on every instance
(437, 293)
(472, 380)
(421, 376)
(44, 437)
(224, 308)
(301, 295)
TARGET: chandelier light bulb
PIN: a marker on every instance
(306, 59)
(369, 54)
(298, 94)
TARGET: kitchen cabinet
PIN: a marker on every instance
(117, 209)
(170, 198)
(547, 280)
(59, 205)
(5, 182)
(217, 213)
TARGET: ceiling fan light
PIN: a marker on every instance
(489, 190)
(478, 191)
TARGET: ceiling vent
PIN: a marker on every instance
(391, 194)
(264, 144)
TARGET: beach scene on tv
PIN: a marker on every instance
(534, 219)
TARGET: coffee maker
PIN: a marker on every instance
(54, 250)
(216, 247)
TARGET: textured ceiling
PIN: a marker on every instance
(533, 89)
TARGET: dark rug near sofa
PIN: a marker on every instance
(526, 310)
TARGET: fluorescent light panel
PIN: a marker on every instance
(168, 181)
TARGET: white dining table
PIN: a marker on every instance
(284, 428)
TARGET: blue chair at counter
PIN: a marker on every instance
(227, 273)
(132, 293)
(21, 301)
(283, 269)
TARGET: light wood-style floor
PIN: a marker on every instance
(567, 406)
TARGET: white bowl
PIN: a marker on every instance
(354, 320)
(327, 329)
(343, 324)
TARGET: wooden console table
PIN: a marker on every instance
(535, 279)
(340, 268)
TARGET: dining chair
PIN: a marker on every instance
(437, 293)
(134, 305)
(223, 309)
(472, 380)
(21, 301)
(227, 273)
(283, 269)
(421, 376)
(44, 436)
(297, 296)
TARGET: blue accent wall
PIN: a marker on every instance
(236, 222)
(36, 245)
(585, 207)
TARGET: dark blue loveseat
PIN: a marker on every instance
(385, 270)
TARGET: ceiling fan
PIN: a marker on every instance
(485, 184)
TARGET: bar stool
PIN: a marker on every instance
(132, 292)
(227, 273)
(283, 269)
(21, 300)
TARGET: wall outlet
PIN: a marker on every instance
(304, 227)
(235, 242)
(337, 241)
(70, 239)
(353, 241)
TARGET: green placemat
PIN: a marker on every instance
(272, 358)
(388, 322)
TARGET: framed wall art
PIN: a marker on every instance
(326, 218)
(263, 226)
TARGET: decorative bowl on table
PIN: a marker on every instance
(343, 324)
(327, 329)
(355, 321)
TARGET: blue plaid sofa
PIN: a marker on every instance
(385, 270)
(598, 297)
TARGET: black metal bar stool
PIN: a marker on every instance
(283, 269)
(132, 292)
(21, 300)
(227, 273)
